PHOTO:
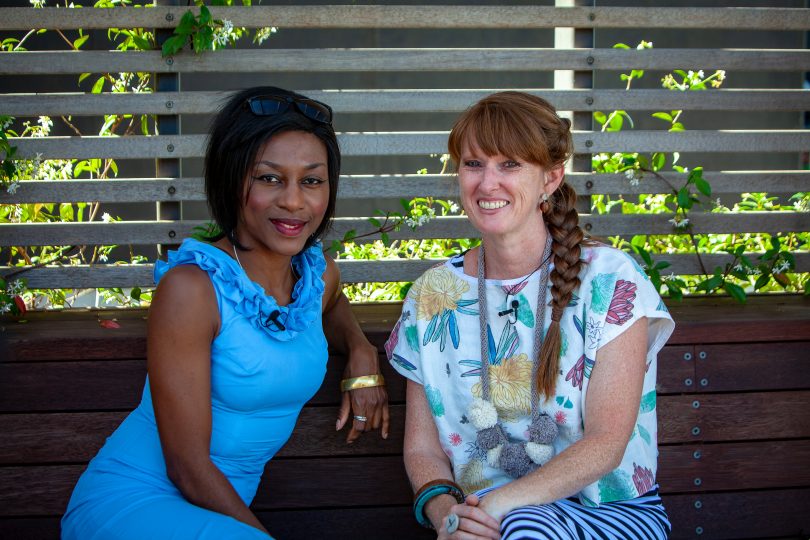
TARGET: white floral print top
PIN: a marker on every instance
(436, 344)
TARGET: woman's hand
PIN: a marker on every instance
(369, 403)
(474, 522)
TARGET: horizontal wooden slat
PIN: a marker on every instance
(745, 514)
(719, 320)
(422, 143)
(420, 17)
(732, 466)
(384, 60)
(81, 277)
(156, 232)
(93, 385)
(737, 367)
(341, 523)
(409, 101)
(729, 417)
(76, 437)
(763, 319)
(779, 513)
(117, 385)
(374, 481)
(397, 187)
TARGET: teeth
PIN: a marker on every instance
(492, 205)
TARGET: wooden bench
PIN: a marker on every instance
(734, 427)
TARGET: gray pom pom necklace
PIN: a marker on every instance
(514, 458)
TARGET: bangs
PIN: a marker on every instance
(508, 124)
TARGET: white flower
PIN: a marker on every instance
(106, 218)
(738, 267)
(454, 208)
(227, 27)
(700, 73)
(5, 308)
(16, 287)
(679, 223)
(102, 258)
(12, 187)
(670, 277)
(45, 122)
(631, 174)
(781, 267)
(6, 124)
(221, 39)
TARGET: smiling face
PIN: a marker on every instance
(286, 194)
(500, 194)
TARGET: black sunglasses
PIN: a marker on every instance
(271, 105)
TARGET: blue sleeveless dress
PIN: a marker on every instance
(262, 373)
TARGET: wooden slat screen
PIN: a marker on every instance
(392, 100)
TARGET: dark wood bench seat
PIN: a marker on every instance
(734, 426)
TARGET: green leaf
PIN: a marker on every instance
(385, 239)
(173, 45)
(663, 116)
(80, 41)
(375, 222)
(98, 86)
(620, 46)
(199, 42)
(762, 280)
(677, 126)
(600, 117)
(83, 76)
(658, 161)
(616, 123)
(135, 294)
(205, 16)
(735, 291)
(674, 290)
(187, 24)
(704, 187)
(141, 43)
(684, 200)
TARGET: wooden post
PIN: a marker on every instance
(168, 124)
(580, 38)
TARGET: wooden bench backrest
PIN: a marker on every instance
(734, 427)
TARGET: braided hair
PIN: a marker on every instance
(525, 126)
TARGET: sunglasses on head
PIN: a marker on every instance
(272, 105)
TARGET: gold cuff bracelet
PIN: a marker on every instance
(366, 381)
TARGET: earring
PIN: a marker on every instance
(544, 204)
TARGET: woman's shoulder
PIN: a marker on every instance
(601, 258)
(206, 257)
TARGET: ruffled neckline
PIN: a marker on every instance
(247, 297)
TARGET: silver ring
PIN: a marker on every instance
(452, 523)
(360, 418)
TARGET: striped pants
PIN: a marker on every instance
(642, 518)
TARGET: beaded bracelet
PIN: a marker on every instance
(432, 489)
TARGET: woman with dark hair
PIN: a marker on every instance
(237, 337)
(534, 354)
